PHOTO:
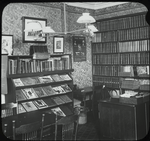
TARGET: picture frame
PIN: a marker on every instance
(33, 35)
(7, 44)
(79, 48)
(58, 44)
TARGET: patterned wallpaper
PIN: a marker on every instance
(53, 12)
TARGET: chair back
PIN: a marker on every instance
(29, 131)
(8, 111)
(69, 127)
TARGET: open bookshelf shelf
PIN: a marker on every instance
(39, 90)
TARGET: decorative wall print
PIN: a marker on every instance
(58, 44)
(32, 28)
(7, 42)
(79, 48)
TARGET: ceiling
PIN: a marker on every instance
(94, 5)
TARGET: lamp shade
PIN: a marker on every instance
(48, 29)
(86, 18)
(92, 28)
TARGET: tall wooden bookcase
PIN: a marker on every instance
(26, 67)
(121, 42)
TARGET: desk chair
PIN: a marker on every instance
(69, 128)
(29, 131)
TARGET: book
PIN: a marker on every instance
(18, 82)
(20, 95)
(65, 98)
(29, 93)
(65, 77)
(67, 111)
(56, 78)
(40, 92)
(48, 90)
(29, 106)
(57, 100)
(35, 80)
(58, 90)
(49, 102)
(66, 88)
(40, 104)
(46, 79)
(58, 111)
(27, 81)
(20, 109)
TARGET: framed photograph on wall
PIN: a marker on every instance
(7, 43)
(79, 48)
(58, 44)
(32, 28)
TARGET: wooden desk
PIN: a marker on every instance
(120, 121)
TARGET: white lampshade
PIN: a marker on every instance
(33, 26)
(92, 28)
(48, 29)
(86, 18)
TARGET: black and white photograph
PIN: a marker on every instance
(75, 71)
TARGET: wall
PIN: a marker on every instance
(53, 12)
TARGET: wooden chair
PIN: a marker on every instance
(29, 131)
(8, 112)
(69, 126)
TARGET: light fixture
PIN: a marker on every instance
(47, 29)
(86, 18)
(33, 26)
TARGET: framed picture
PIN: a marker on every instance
(7, 43)
(58, 44)
(32, 28)
(79, 48)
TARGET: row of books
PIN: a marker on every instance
(31, 93)
(132, 46)
(42, 103)
(122, 58)
(25, 81)
(108, 81)
(142, 45)
(122, 35)
(134, 34)
(122, 23)
(106, 59)
(105, 36)
(17, 66)
(105, 47)
(140, 71)
(106, 70)
(134, 58)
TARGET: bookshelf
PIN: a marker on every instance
(37, 85)
(120, 42)
(120, 60)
